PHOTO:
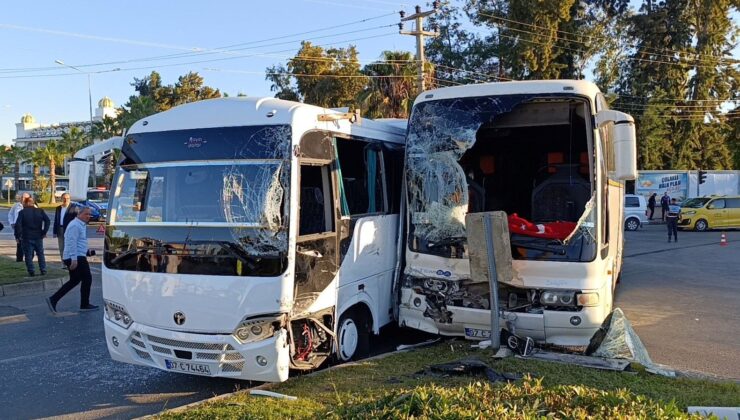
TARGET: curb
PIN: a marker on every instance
(31, 287)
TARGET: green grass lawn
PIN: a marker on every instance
(392, 387)
(15, 272)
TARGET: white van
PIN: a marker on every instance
(635, 212)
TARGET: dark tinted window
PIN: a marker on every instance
(631, 202)
(733, 203)
(361, 167)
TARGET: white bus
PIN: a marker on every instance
(248, 237)
(552, 156)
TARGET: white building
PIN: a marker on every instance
(31, 135)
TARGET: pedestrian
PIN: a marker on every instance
(651, 205)
(30, 229)
(12, 216)
(75, 258)
(665, 202)
(60, 223)
(674, 210)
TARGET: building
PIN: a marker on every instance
(32, 135)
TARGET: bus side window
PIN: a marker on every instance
(316, 215)
(362, 176)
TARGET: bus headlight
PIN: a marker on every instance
(587, 299)
(558, 298)
(256, 329)
(117, 314)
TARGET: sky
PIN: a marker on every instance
(35, 34)
(229, 43)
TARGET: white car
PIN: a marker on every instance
(59, 190)
(635, 211)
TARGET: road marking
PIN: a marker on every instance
(13, 319)
(32, 356)
(669, 249)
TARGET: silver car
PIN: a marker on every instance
(635, 211)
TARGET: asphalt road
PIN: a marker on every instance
(681, 298)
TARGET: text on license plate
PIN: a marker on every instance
(477, 333)
(187, 367)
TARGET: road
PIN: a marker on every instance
(681, 298)
(59, 365)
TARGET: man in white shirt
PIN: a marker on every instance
(75, 258)
(58, 228)
(12, 217)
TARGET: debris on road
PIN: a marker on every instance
(469, 367)
(263, 393)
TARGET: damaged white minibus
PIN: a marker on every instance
(248, 237)
(554, 157)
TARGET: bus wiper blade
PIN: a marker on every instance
(447, 241)
(551, 246)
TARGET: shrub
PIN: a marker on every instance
(526, 400)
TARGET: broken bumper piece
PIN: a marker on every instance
(551, 327)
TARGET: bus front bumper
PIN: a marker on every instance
(218, 355)
(551, 327)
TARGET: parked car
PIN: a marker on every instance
(95, 213)
(702, 213)
(635, 211)
(98, 198)
(59, 190)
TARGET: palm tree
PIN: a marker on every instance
(17, 155)
(54, 153)
(106, 129)
(390, 97)
(38, 159)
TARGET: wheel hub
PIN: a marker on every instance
(348, 339)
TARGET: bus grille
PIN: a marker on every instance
(230, 360)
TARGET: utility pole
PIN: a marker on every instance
(419, 33)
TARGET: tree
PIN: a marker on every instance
(53, 152)
(38, 159)
(74, 139)
(136, 108)
(391, 88)
(17, 155)
(328, 78)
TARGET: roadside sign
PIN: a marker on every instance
(101, 229)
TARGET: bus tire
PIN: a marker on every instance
(353, 336)
(701, 225)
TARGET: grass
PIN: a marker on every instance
(15, 272)
(391, 387)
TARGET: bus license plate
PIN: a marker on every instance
(187, 367)
(477, 333)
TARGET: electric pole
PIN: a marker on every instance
(419, 33)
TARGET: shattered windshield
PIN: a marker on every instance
(527, 155)
(223, 215)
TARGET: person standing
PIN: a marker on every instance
(674, 211)
(59, 223)
(665, 202)
(651, 205)
(12, 216)
(75, 258)
(31, 227)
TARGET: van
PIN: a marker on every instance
(715, 212)
(635, 211)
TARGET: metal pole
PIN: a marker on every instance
(420, 51)
(493, 284)
(92, 140)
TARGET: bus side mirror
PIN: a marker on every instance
(624, 140)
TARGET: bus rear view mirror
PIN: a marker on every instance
(621, 129)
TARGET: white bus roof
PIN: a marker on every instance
(580, 87)
(249, 111)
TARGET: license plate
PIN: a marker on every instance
(477, 333)
(187, 367)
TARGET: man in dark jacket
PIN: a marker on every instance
(60, 222)
(30, 230)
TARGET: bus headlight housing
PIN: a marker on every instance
(117, 314)
(587, 299)
(558, 298)
(256, 329)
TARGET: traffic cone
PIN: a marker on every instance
(723, 240)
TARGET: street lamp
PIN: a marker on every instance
(89, 97)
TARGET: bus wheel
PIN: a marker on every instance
(701, 225)
(353, 337)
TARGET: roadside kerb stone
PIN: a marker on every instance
(31, 287)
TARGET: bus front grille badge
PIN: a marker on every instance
(179, 318)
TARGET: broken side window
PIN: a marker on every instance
(361, 168)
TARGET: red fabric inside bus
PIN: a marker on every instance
(550, 230)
